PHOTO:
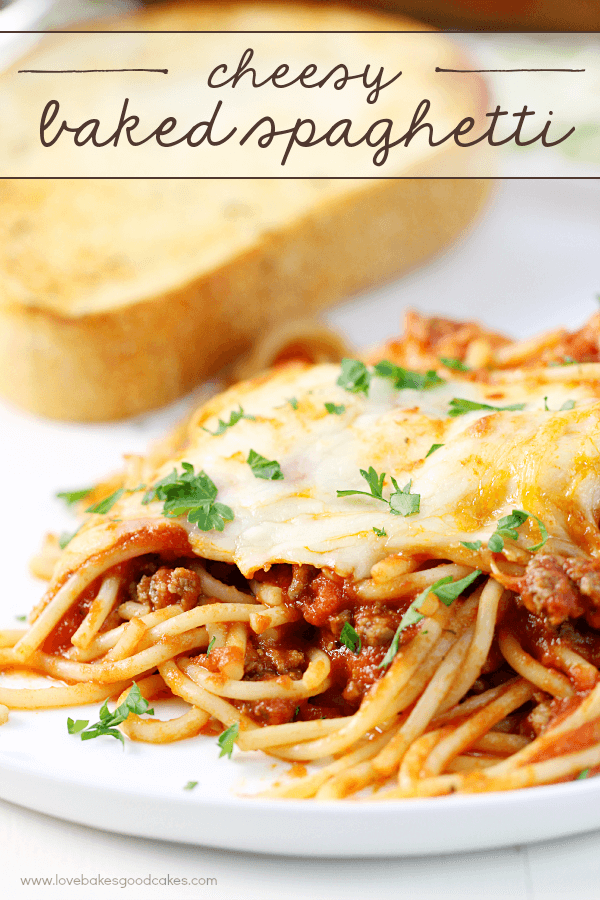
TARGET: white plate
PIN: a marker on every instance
(140, 792)
(531, 264)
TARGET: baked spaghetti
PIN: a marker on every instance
(386, 567)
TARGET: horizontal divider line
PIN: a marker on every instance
(449, 31)
(469, 71)
(300, 177)
(82, 71)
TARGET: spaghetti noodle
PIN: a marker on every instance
(430, 631)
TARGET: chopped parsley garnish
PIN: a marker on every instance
(393, 648)
(566, 361)
(432, 449)
(472, 545)
(459, 406)
(190, 785)
(334, 410)
(507, 528)
(404, 378)
(104, 506)
(71, 497)
(234, 418)
(195, 495)
(269, 469)
(227, 739)
(583, 774)
(350, 638)
(401, 502)
(354, 377)
(74, 727)
(296, 712)
(156, 491)
(452, 363)
(380, 532)
(375, 483)
(65, 537)
(496, 543)
(133, 703)
(293, 402)
(568, 404)
(211, 645)
(21, 618)
(445, 590)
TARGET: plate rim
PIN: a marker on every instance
(329, 828)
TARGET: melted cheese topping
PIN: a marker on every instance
(545, 461)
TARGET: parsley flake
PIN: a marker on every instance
(459, 406)
(507, 528)
(380, 532)
(65, 537)
(566, 361)
(472, 545)
(452, 363)
(412, 614)
(568, 404)
(583, 774)
(350, 638)
(445, 590)
(401, 502)
(293, 402)
(432, 449)
(196, 495)
(393, 648)
(334, 410)
(20, 618)
(234, 418)
(354, 377)
(133, 703)
(74, 727)
(404, 378)
(71, 497)
(448, 591)
(227, 739)
(190, 785)
(269, 469)
(104, 506)
(211, 645)
(375, 483)
(496, 543)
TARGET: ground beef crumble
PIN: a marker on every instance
(560, 588)
(168, 586)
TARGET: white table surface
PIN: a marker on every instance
(34, 845)
(538, 240)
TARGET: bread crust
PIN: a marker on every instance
(65, 355)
